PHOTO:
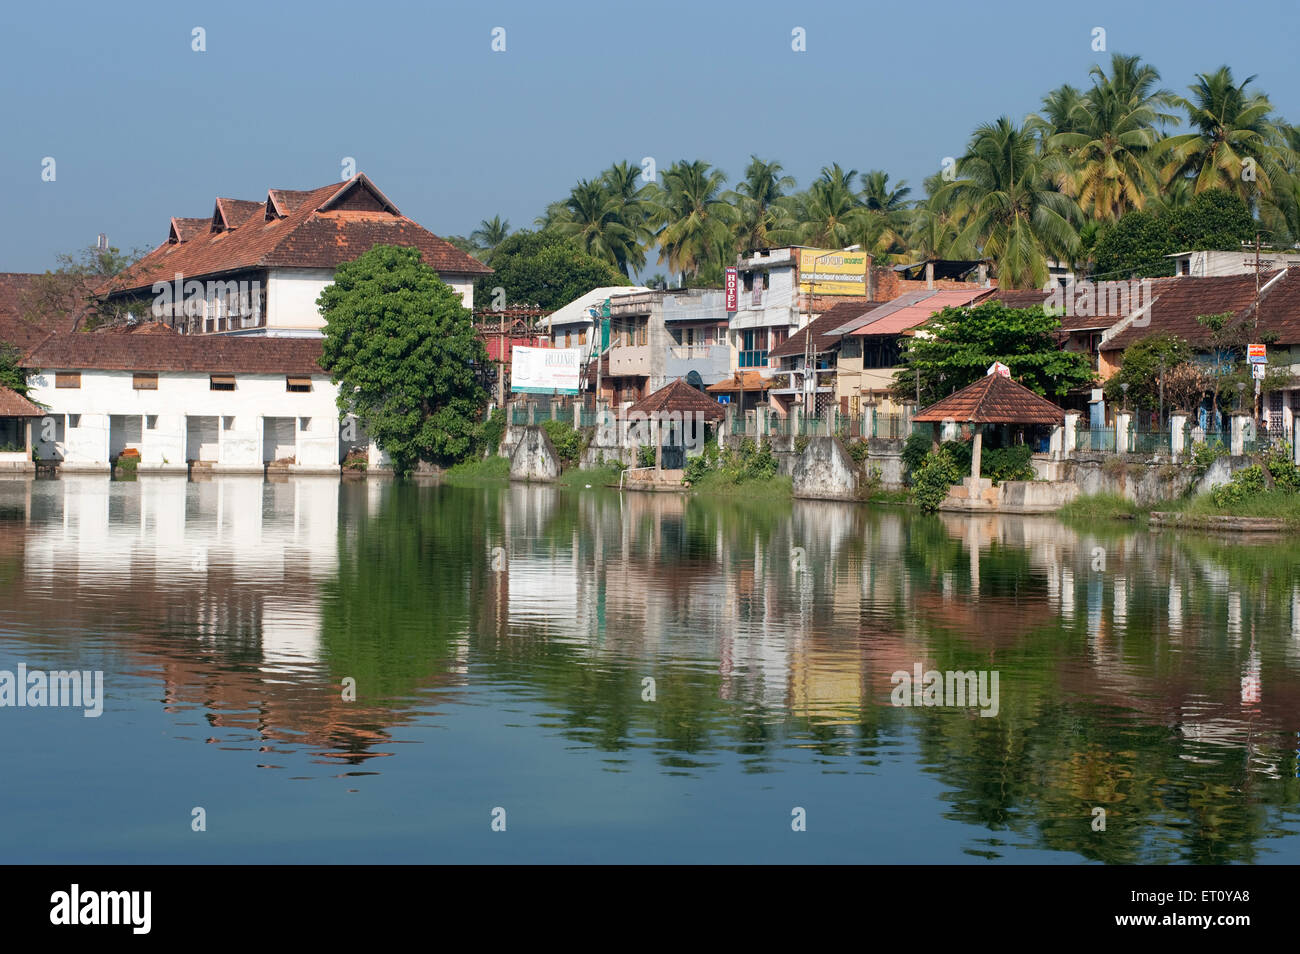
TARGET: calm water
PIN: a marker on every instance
(500, 639)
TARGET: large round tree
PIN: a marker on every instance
(402, 347)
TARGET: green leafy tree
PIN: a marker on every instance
(402, 347)
(886, 214)
(12, 374)
(1139, 243)
(544, 269)
(1145, 361)
(829, 214)
(958, 345)
(71, 294)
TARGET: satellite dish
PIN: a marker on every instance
(694, 380)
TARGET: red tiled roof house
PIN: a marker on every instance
(256, 267)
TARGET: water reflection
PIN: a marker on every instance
(1151, 674)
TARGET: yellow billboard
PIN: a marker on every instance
(824, 271)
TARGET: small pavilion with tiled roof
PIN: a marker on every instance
(675, 404)
(993, 399)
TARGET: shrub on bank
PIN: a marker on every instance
(1276, 472)
(567, 441)
(936, 474)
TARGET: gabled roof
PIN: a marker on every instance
(821, 329)
(678, 397)
(993, 399)
(177, 353)
(232, 213)
(1180, 301)
(185, 229)
(320, 228)
(1279, 308)
(911, 309)
(1105, 309)
(13, 404)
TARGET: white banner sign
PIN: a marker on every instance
(545, 370)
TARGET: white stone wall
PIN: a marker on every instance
(291, 299)
(292, 293)
(165, 415)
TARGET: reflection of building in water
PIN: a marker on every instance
(228, 574)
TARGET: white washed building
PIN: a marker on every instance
(230, 405)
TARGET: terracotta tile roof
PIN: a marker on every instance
(993, 399)
(1180, 301)
(678, 397)
(741, 381)
(138, 328)
(15, 329)
(185, 229)
(194, 353)
(13, 404)
(320, 228)
(232, 213)
(1105, 307)
(839, 314)
(1279, 308)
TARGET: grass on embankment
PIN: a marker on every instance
(1272, 504)
(761, 487)
(1102, 507)
(606, 476)
(487, 470)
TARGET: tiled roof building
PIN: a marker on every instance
(258, 266)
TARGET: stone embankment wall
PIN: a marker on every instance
(825, 471)
(534, 457)
(1147, 482)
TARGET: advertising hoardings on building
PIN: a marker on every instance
(830, 272)
(545, 370)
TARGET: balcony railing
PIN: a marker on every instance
(686, 352)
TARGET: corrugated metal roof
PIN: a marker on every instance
(915, 308)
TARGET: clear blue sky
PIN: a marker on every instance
(143, 128)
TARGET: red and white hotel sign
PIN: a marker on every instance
(733, 289)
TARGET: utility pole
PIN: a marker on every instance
(1162, 391)
(501, 361)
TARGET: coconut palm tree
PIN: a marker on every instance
(1060, 113)
(556, 213)
(595, 223)
(632, 200)
(1011, 212)
(828, 214)
(1109, 146)
(935, 225)
(490, 233)
(887, 215)
(758, 203)
(1233, 142)
(696, 220)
